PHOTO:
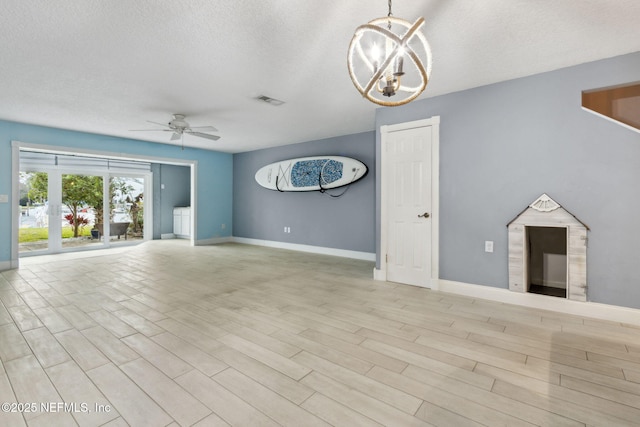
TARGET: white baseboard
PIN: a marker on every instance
(612, 313)
(365, 256)
(214, 241)
(379, 274)
(167, 236)
(8, 265)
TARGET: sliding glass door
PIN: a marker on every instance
(64, 207)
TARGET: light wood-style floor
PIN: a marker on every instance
(167, 334)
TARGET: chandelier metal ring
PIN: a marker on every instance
(396, 48)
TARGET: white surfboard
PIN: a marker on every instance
(311, 173)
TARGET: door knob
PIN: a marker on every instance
(424, 215)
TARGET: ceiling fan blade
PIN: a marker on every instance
(205, 128)
(159, 124)
(175, 136)
(204, 135)
(150, 130)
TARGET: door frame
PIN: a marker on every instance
(385, 130)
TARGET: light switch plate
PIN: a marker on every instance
(488, 246)
(4, 198)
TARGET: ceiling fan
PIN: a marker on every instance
(179, 126)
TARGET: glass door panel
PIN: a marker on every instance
(126, 214)
(33, 232)
(81, 210)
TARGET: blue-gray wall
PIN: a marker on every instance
(214, 173)
(503, 145)
(315, 219)
(176, 192)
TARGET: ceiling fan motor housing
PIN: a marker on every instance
(178, 122)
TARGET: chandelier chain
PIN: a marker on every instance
(389, 16)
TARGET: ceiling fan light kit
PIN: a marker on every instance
(178, 122)
(389, 60)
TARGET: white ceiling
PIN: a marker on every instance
(107, 66)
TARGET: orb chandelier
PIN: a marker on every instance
(389, 60)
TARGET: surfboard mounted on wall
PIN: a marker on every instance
(311, 173)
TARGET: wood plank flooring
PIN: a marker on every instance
(167, 334)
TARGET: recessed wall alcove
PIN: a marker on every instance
(618, 103)
(536, 255)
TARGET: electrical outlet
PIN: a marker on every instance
(488, 246)
(4, 198)
(223, 226)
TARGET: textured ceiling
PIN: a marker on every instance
(107, 66)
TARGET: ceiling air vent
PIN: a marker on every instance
(270, 101)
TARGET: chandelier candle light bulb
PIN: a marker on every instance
(375, 54)
(380, 75)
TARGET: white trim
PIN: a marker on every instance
(167, 236)
(194, 204)
(15, 205)
(147, 214)
(100, 153)
(7, 265)
(612, 313)
(69, 255)
(364, 256)
(214, 241)
(379, 274)
(434, 123)
(79, 249)
(624, 125)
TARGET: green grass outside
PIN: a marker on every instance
(38, 234)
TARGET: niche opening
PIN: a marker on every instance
(547, 260)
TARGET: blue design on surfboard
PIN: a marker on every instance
(314, 173)
(307, 173)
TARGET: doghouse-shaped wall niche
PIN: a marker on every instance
(544, 212)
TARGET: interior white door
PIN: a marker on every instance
(409, 202)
